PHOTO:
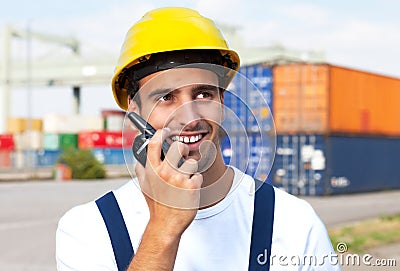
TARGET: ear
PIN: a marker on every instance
(133, 106)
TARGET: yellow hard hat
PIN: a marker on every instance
(165, 30)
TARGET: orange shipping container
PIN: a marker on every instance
(322, 98)
(364, 103)
(300, 98)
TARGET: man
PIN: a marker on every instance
(195, 214)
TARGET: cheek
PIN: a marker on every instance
(213, 112)
(158, 117)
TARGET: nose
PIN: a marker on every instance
(187, 113)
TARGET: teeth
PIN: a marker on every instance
(187, 139)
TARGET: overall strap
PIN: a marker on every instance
(119, 236)
(261, 236)
(263, 222)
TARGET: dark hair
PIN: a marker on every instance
(132, 88)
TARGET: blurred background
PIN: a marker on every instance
(328, 72)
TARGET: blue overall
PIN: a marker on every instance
(261, 235)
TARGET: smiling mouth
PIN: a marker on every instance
(190, 139)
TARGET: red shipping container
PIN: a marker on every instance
(105, 139)
(7, 142)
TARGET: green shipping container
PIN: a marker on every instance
(68, 141)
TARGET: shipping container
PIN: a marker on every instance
(249, 100)
(252, 153)
(113, 120)
(364, 103)
(28, 140)
(68, 141)
(301, 98)
(259, 98)
(51, 141)
(25, 159)
(7, 142)
(112, 156)
(5, 158)
(62, 124)
(235, 103)
(236, 150)
(20, 125)
(322, 165)
(322, 99)
(17, 159)
(105, 139)
(48, 158)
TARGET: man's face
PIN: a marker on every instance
(189, 102)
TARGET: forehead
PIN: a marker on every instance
(177, 78)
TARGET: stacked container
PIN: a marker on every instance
(33, 143)
(108, 145)
(338, 130)
(248, 123)
(61, 133)
(28, 140)
(6, 149)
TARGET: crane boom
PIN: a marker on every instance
(70, 42)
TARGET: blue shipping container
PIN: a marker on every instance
(320, 165)
(35, 158)
(251, 153)
(300, 164)
(249, 100)
(235, 103)
(259, 99)
(111, 156)
(48, 158)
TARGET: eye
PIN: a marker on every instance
(165, 98)
(204, 95)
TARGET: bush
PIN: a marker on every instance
(83, 164)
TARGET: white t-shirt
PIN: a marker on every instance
(218, 238)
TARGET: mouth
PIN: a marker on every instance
(190, 138)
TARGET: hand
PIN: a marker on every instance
(172, 194)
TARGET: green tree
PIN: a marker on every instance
(83, 164)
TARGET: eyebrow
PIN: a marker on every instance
(161, 91)
(197, 87)
(205, 87)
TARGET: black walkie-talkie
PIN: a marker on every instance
(139, 146)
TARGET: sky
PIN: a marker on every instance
(357, 34)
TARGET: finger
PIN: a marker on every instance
(176, 151)
(189, 167)
(196, 180)
(154, 147)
